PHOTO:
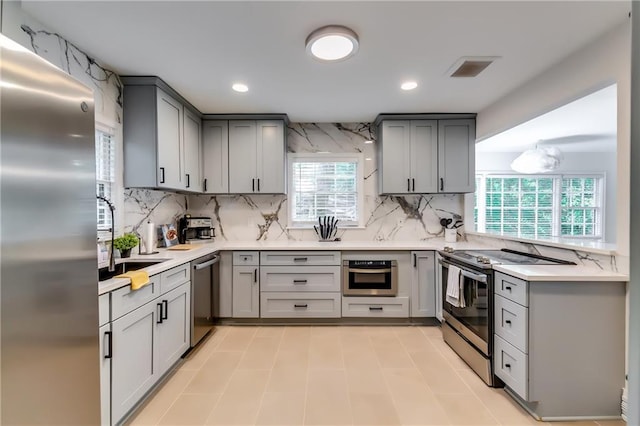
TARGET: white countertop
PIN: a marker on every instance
(534, 273)
(560, 273)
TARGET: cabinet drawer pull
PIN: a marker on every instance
(188, 180)
(376, 308)
(300, 306)
(161, 174)
(441, 184)
(258, 184)
(299, 259)
(255, 275)
(408, 184)
(159, 321)
(204, 184)
(508, 322)
(415, 260)
(413, 185)
(253, 185)
(508, 288)
(507, 366)
(109, 353)
(299, 281)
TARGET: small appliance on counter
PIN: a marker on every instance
(195, 229)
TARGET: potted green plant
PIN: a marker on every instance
(125, 243)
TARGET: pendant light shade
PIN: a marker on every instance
(538, 160)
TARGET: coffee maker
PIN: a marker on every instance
(195, 229)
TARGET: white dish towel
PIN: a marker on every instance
(454, 287)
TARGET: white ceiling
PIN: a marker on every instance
(588, 124)
(201, 48)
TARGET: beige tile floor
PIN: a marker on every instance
(329, 375)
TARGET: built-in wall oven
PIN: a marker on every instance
(370, 277)
(468, 327)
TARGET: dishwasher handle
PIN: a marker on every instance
(206, 264)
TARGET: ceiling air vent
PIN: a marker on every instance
(468, 66)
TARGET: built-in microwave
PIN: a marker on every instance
(369, 277)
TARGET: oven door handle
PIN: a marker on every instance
(465, 273)
(369, 271)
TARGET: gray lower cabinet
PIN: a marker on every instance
(150, 331)
(423, 287)
(134, 366)
(174, 330)
(105, 374)
(300, 284)
(246, 292)
(560, 346)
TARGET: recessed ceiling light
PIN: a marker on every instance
(368, 141)
(368, 158)
(332, 43)
(239, 87)
(408, 85)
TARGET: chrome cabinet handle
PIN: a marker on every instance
(207, 263)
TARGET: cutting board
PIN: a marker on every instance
(181, 247)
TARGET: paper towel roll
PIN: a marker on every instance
(149, 236)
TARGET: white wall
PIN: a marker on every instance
(603, 62)
(573, 162)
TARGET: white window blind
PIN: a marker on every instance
(539, 206)
(325, 186)
(105, 175)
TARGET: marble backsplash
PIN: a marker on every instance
(385, 218)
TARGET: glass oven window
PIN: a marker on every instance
(475, 316)
(370, 281)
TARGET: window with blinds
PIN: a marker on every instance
(324, 185)
(105, 175)
(539, 206)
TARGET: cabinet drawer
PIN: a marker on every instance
(174, 277)
(300, 305)
(125, 300)
(392, 307)
(104, 308)
(300, 278)
(247, 258)
(512, 288)
(300, 258)
(511, 365)
(512, 322)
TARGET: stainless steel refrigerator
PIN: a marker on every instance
(48, 280)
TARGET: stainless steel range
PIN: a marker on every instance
(468, 320)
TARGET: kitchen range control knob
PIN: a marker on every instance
(448, 249)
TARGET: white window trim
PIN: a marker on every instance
(326, 157)
(117, 191)
(601, 210)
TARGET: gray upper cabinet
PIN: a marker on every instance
(162, 137)
(256, 156)
(170, 117)
(426, 153)
(409, 154)
(215, 152)
(192, 146)
(457, 155)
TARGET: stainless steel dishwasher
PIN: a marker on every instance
(205, 288)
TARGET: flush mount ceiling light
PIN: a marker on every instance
(408, 85)
(332, 43)
(538, 160)
(239, 87)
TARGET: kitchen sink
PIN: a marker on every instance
(125, 266)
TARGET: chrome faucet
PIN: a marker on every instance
(112, 260)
